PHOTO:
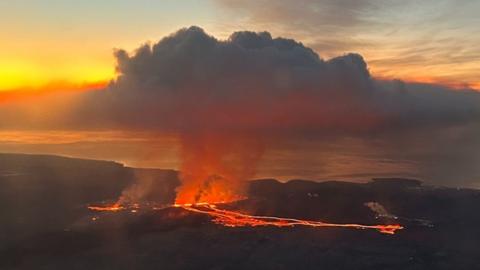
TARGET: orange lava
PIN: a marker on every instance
(235, 219)
(230, 218)
(113, 208)
(216, 165)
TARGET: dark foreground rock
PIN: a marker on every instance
(45, 224)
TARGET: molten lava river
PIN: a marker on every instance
(231, 218)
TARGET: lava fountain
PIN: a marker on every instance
(216, 167)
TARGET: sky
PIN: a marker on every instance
(69, 44)
(72, 42)
(317, 89)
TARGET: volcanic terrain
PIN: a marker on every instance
(46, 223)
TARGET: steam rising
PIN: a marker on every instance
(379, 210)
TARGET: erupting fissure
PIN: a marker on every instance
(216, 166)
(236, 219)
(113, 207)
(230, 218)
(214, 171)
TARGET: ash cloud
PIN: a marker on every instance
(227, 99)
(253, 82)
(255, 86)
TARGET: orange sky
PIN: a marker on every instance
(29, 91)
(72, 42)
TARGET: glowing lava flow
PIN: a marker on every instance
(230, 218)
(235, 219)
(114, 208)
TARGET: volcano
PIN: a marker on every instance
(58, 231)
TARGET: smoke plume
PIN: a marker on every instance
(227, 99)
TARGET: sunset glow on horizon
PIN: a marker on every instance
(49, 43)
